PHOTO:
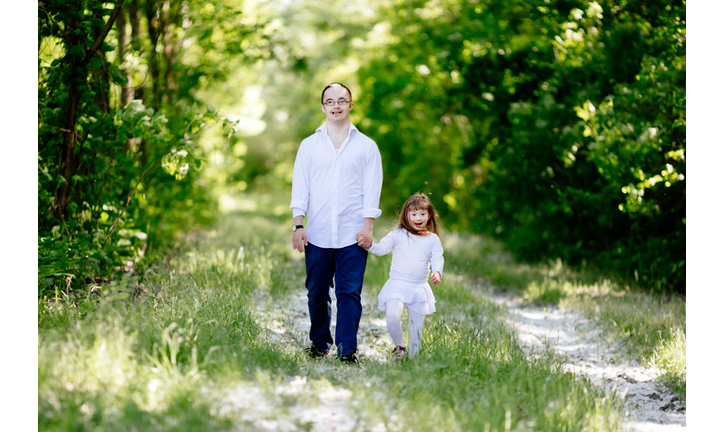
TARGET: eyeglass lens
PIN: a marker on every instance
(330, 102)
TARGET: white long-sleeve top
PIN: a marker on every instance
(336, 188)
(412, 255)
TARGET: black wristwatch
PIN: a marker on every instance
(296, 227)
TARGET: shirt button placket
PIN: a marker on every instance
(335, 239)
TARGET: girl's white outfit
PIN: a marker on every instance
(412, 257)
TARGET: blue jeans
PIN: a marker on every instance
(347, 267)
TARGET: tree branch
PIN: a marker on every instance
(128, 201)
(143, 175)
(106, 29)
(41, 6)
(56, 127)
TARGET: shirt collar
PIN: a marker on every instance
(323, 128)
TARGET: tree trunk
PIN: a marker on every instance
(152, 13)
(67, 162)
(124, 41)
(170, 17)
(102, 83)
(135, 16)
(77, 67)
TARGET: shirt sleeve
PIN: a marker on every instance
(436, 259)
(300, 183)
(385, 245)
(372, 183)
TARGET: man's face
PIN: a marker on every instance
(337, 112)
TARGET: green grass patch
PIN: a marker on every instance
(142, 361)
(653, 328)
(471, 376)
(191, 347)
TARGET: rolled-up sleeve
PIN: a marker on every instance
(372, 184)
(300, 183)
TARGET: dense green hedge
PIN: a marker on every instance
(116, 178)
(558, 127)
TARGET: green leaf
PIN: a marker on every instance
(117, 296)
(88, 304)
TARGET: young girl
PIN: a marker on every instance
(415, 246)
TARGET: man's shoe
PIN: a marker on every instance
(399, 353)
(316, 352)
(349, 359)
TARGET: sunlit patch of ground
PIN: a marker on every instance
(300, 402)
(652, 407)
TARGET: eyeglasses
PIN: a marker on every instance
(341, 102)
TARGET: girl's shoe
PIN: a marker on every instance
(399, 353)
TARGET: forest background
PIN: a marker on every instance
(562, 124)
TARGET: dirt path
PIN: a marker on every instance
(651, 407)
(300, 404)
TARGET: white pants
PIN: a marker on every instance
(393, 312)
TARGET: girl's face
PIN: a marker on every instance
(418, 219)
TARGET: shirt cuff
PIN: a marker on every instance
(371, 213)
(296, 211)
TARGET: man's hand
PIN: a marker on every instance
(436, 278)
(364, 239)
(299, 240)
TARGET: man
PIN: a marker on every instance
(337, 182)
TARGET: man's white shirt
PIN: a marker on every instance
(336, 188)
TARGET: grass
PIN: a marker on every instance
(141, 363)
(193, 351)
(471, 376)
(652, 327)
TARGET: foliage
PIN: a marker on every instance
(118, 176)
(561, 126)
(557, 127)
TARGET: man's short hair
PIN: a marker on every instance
(336, 84)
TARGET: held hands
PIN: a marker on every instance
(436, 278)
(364, 237)
(299, 240)
(364, 240)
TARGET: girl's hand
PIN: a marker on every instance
(364, 242)
(436, 278)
